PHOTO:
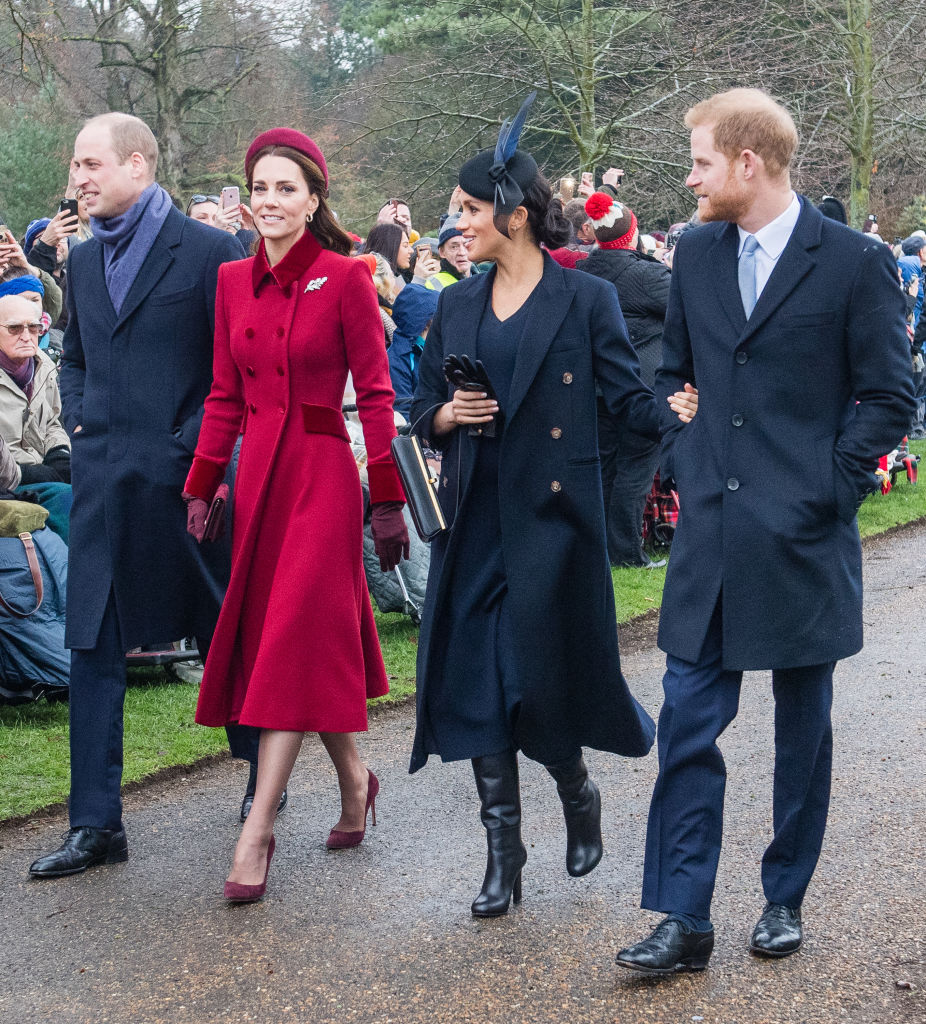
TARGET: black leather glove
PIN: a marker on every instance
(59, 459)
(462, 372)
(38, 474)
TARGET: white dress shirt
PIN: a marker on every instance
(772, 240)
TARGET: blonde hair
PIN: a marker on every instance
(129, 135)
(384, 279)
(748, 119)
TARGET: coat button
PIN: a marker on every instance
(288, 291)
(567, 377)
(556, 433)
(556, 486)
(280, 332)
(252, 407)
(249, 332)
(741, 357)
(737, 420)
(249, 371)
(281, 371)
(733, 484)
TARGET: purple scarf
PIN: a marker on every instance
(127, 240)
(21, 375)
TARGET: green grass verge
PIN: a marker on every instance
(159, 727)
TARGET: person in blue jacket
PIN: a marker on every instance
(412, 313)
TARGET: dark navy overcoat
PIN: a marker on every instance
(135, 383)
(772, 469)
(560, 595)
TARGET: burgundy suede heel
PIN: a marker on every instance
(236, 892)
(338, 840)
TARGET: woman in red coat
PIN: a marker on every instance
(295, 649)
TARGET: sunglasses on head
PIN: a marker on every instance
(201, 198)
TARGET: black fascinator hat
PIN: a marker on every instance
(504, 174)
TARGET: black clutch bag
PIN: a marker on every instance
(420, 486)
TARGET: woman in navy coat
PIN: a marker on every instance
(518, 647)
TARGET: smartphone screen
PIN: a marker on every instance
(230, 196)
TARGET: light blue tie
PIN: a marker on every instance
(747, 274)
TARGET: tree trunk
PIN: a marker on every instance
(861, 87)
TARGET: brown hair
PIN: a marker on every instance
(324, 225)
(129, 135)
(748, 119)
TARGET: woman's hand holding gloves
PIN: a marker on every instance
(390, 534)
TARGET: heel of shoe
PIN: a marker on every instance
(118, 851)
(373, 810)
(516, 891)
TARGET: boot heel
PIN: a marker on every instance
(516, 893)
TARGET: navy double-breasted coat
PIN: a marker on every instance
(135, 383)
(560, 596)
(795, 407)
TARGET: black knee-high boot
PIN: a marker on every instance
(497, 783)
(582, 811)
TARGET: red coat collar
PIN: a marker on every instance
(293, 265)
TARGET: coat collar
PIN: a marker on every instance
(293, 265)
(794, 263)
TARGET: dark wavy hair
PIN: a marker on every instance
(324, 225)
(545, 216)
(385, 239)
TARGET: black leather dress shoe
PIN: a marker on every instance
(670, 949)
(779, 931)
(249, 800)
(83, 848)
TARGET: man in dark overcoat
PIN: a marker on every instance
(791, 328)
(136, 369)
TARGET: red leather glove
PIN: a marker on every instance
(196, 511)
(390, 534)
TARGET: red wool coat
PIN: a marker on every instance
(295, 646)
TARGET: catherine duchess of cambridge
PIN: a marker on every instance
(518, 647)
(295, 649)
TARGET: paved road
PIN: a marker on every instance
(383, 933)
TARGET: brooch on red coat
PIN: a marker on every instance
(315, 284)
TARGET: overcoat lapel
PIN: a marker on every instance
(547, 313)
(793, 265)
(722, 266)
(102, 302)
(158, 260)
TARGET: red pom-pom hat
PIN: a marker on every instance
(603, 210)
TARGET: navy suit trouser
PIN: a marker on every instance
(97, 696)
(685, 827)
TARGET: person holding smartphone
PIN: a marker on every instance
(518, 647)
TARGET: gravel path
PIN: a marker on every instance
(383, 933)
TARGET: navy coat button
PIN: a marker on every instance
(252, 407)
(733, 484)
(249, 371)
(567, 377)
(556, 433)
(741, 357)
(249, 332)
(737, 420)
(556, 486)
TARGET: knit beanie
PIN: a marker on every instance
(614, 224)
